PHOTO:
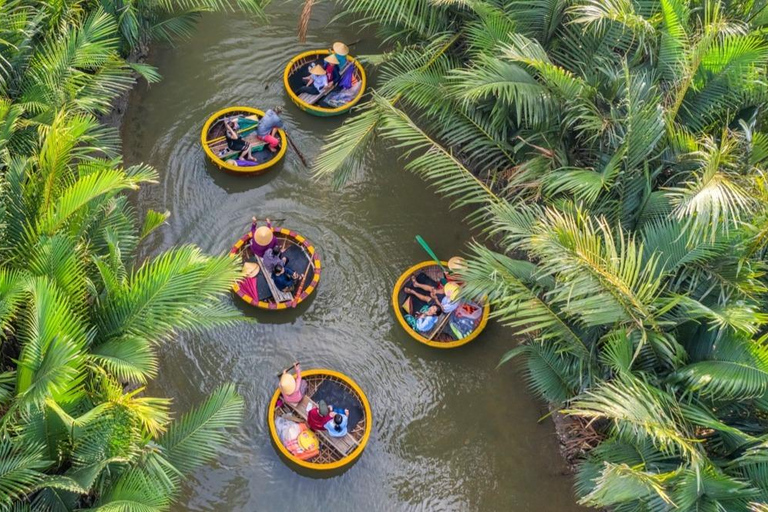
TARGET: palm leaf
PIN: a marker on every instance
(197, 437)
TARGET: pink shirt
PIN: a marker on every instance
(296, 396)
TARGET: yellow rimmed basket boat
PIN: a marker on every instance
(443, 335)
(214, 141)
(259, 290)
(318, 106)
(331, 452)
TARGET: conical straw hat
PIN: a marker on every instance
(250, 269)
(317, 69)
(332, 59)
(340, 48)
(263, 235)
(457, 263)
(287, 384)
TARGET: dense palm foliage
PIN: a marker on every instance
(80, 318)
(613, 151)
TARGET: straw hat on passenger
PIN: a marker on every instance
(263, 235)
(340, 48)
(332, 59)
(287, 384)
(250, 269)
(317, 69)
(452, 291)
(457, 263)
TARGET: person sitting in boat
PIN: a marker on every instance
(292, 388)
(445, 296)
(338, 426)
(274, 257)
(425, 319)
(332, 71)
(235, 141)
(268, 127)
(319, 416)
(284, 278)
(262, 238)
(316, 81)
(340, 51)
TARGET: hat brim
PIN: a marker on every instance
(340, 48)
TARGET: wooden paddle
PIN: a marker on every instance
(293, 146)
(431, 253)
(301, 285)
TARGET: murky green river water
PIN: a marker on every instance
(450, 431)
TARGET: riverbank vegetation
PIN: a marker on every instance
(80, 316)
(613, 152)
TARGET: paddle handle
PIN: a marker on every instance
(429, 250)
(285, 370)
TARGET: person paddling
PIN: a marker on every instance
(262, 238)
(292, 388)
(267, 129)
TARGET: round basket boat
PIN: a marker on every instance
(443, 335)
(214, 141)
(259, 290)
(298, 67)
(323, 452)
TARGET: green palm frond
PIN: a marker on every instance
(638, 412)
(430, 160)
(21, 469)
(735, 368)
(11, 295)
(619, 484)
(538, 19)
(608, 278)
(674, 37)
(134, 492)
(161, 296)
(59, 260)
(343, 152)
(53, 340)
(508, 88)
(198, 435)
(127, 359)
(553, 375)
(401, 19)
(517, 296)
(708, 488)
(85, 190)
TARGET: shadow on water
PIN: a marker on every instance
(450, 430)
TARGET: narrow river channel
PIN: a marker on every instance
(450, 431)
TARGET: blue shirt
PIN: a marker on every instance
(331, 427)
(284, 280)
(342, 60)
(269, 121)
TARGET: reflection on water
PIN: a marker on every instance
(450, 431)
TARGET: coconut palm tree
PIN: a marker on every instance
(80, 317)
(612, 153)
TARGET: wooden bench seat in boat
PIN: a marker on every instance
(344, 445)
(278, 295)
